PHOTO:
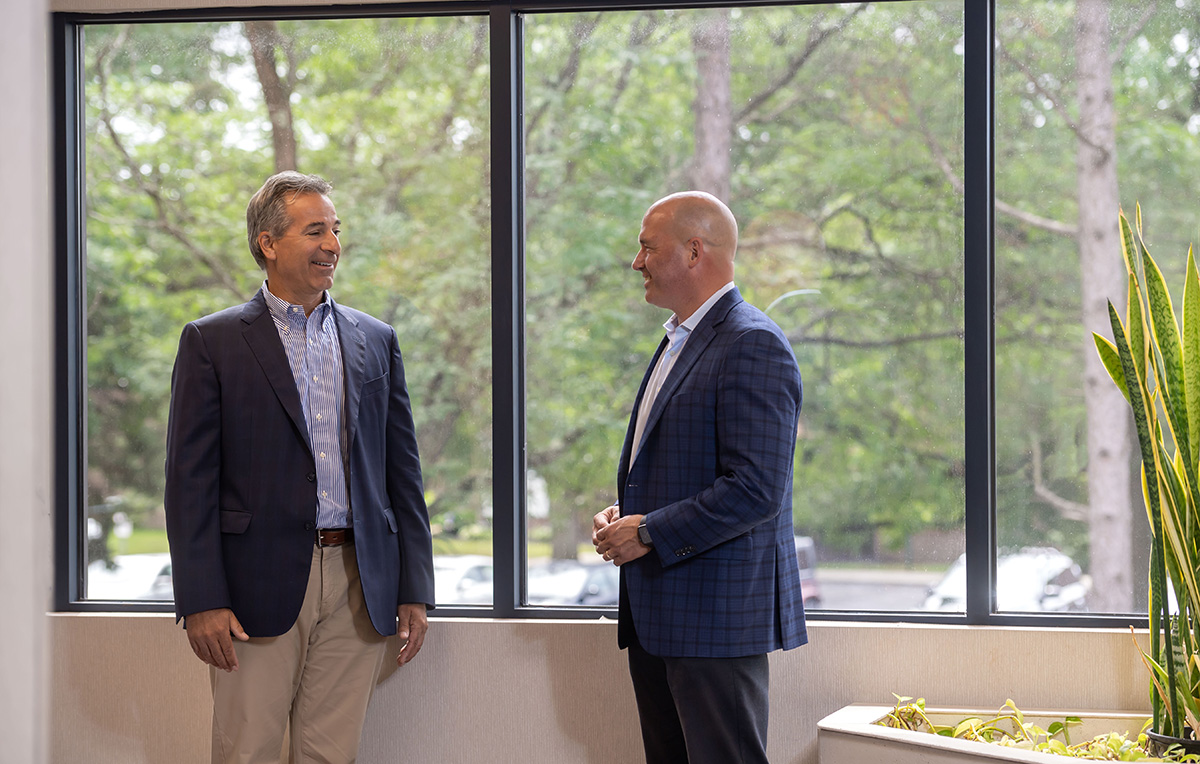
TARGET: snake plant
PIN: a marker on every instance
(1155, 361)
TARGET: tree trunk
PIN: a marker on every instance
(713, 112)
(1109, 432)
(263, 36)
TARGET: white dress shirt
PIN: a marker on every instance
(677, 336)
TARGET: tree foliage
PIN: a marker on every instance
(845, 173)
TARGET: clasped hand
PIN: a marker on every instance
(616, 538)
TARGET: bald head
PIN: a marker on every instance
(700, 215)
(688, 241)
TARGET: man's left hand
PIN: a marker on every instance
(413, 623)
(618, 541)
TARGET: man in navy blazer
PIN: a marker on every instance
(702, 526)
(295, 510)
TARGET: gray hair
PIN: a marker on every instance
(267, 210)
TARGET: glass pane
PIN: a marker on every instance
(1095, 107)
(834, 132)
(182, 127)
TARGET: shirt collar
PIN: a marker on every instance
(281, 309)
(673, 324)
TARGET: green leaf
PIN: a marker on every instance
(1134, 306)
(1191, 352)
(1169, 355)
(1016, 711)
(1112, 361)
(1146, 422)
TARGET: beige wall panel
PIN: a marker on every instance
(26, 371)
(520, 691)
(126, 689)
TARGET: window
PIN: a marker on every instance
(183, 121)
(814, 123)
(1095, 108)
(491, 186)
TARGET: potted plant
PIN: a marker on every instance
(910, 733)
(1155, 361)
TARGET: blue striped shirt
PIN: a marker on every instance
(315, 355)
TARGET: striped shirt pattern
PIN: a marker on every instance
(315, 355)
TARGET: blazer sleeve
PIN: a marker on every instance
(406, 490)
(193, 477)
(758, 406)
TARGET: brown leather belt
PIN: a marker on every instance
(334, 536)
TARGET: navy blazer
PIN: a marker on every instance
(714, 479)
(241, 476)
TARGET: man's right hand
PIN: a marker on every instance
(208, 632)
(602, 519)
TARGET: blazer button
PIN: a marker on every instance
(310, 526)
(311, 477)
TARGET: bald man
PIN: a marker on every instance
(702, 525)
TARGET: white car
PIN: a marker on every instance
(462, 579)
(1030, 580)
(128, 577)
(568, 582)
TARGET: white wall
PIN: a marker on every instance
(127, 690)
(26, 257)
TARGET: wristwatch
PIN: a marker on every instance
(644, 533)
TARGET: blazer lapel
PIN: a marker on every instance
(699, 339)
(263, 339)
(627, 449)
(354, 364)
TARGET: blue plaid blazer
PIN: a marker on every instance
(714, 478)
(241, 499)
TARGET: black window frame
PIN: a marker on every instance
(507, 269)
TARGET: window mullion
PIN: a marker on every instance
(979, 298)
(508, 392)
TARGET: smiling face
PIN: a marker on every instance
(688, 241)
(663, 260)
(300, 263)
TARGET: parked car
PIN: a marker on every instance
(806, 554)
(1030, 580)
(458, 580)
(567, 582)
(163, 587)
(462, 579)
(126, 576)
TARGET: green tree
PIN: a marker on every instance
(180, 134)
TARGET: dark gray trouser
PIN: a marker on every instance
(701, 710)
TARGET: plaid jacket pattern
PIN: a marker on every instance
(714, 478)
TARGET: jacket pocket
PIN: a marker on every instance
(235, 520)
(373, 386)
(391, 518)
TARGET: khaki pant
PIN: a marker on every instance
(318, 676)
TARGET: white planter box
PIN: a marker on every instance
(850, 736)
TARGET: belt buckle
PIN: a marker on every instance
(336, 536)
